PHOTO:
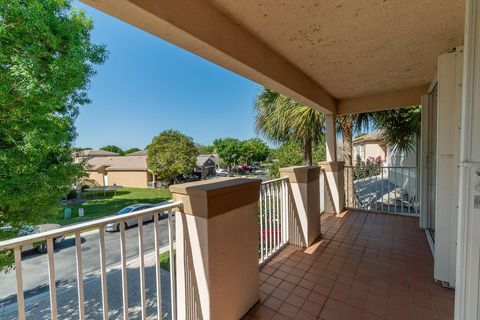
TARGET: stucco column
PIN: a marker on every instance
(304, 186)
(334, 191)
(217, 248)
(468, 236)
(331, 143)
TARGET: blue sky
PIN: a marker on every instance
(148, 85)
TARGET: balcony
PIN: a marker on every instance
(366, 266)
(351, 265)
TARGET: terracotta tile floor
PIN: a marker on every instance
(367, 266)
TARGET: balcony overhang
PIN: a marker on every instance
(336, 57)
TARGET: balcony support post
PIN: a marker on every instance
(334, 191)
(217, 248)
(304, 187)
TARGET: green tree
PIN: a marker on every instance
(346, 124)
(400, 127)
(229, 150)
(46, 62)
(291, 153)
(253, 150)
(280, 119)
(113, 148)
(171, 154)
(131, 150)
(202, 149)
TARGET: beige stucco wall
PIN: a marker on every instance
(372, 150)
(132, 179)
(95, 176)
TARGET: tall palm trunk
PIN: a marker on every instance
(347, 133)
(307, 150)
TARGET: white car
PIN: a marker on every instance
(28, 230)
(221, 171)
(115, 226)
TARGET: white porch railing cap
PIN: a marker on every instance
(21, 241)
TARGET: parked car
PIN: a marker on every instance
(29, 230)
(244, 168)
(115, 226)
(221, 171)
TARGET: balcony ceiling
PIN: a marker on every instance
(325, 53)
(355, 48)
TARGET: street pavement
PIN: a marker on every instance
(36, 278)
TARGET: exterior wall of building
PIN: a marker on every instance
(368, 149)
(95, 177)
(132, 179)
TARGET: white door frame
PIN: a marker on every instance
(467, 297)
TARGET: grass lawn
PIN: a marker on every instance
(165, 260)
(105, 206)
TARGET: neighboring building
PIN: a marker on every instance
(87, 154)
(369, 146)
(125, 171)
(206, 165)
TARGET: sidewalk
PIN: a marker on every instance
(38, 307)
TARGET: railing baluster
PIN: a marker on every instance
(49, 237)
(172, 266)
(275, 217)
(265, 230)
(401, 196)
(17, 252)
(270, 219)
(261, 223)
(78, 252)
(51, 280)
(103, 271)
(141, 259)
(158, 271)
(123, 261)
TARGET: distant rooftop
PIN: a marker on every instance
(124, 163)
(138, 153)
(95, 153)
(374, 136)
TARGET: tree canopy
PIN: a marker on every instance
(113, 148)
(400, 127)
(202, 149)
(46, 62)
(171, 154)
(253, 150)
(229, 150)
(290, 154)
(131, 150)
(280, 119)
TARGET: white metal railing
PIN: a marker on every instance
(382, 189)
(274, 209)
(76, 229)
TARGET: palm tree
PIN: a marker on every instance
(279, 119)
(346, 124)
(400, 127)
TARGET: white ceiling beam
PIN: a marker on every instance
(382, 101)
(201, 28)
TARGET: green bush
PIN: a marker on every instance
(365, 169)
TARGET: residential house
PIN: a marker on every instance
(205, 165)
(126, 171)
(369, 146)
